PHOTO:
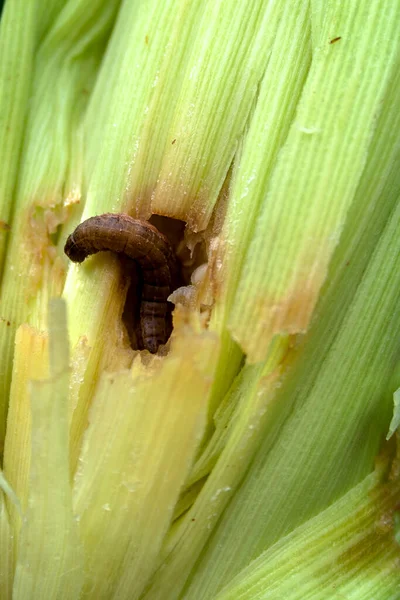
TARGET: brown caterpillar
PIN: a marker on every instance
(142, 242)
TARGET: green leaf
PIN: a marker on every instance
(347, 551)
(55, 568)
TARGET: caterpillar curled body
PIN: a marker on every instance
(142, 242)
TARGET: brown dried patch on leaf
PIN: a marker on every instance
(4, 226)
(40, 230)
(380, 540)
(283, 312)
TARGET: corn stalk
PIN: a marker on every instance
(248, 458)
